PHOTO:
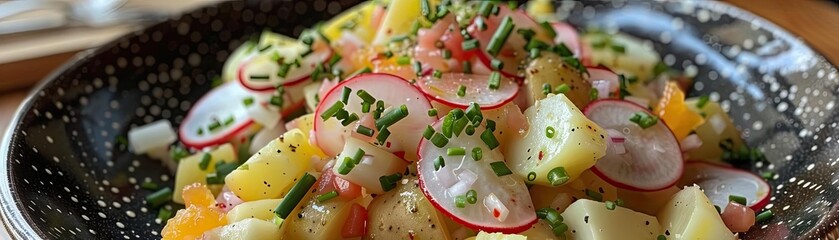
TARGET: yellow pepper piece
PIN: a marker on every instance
(672, 110)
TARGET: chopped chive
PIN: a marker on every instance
(738, 199)
(205, 161)
(327, 196)
(342, 114)
(383, 135)
(546, 89)
(447, 54)
(457, 113)
(392, 116)
(149, 185)
(467, 67)
(387, 54)
(297, 192)
(165, 214)
(500, 168)
(489, 139)
(247, 101)
(460, 201)
(356, 158)
(159, 197)
(594, 195)
(365, 96)
(364, 130)
(548, 29)
(643, 120)
(223, 169)
(459, 125)
(471, 196)
(490, 125)
(417, 68)
(469, 130)
(473, 113)
(442, 11)
(437, 74)
(415, 27)
(283, 71)
(531, 176)
(216, 82)
(562, 50)
(552, 216)
(594, 93)
(500, 36)
(703, 100)
(432, 112)
(550, 132)
(763, 216)
(535, 44)
(526, 33)
(425, 8)
(260, 77)
(481, 23)
(477, 154)
(397, 39)
(448, 125)
(380, 106)
(200, 132)
(470, 44)
(346, 167)
(177, 153)
(768, 175)
(332, 110)
(618, 48)
(534, 53)
(558, 176)
(620, 202)
(622, 86)
(276, 101)
(365, 107)
(496, 64)
(428, 133)
(661, 237)
(403, 60)
(439, 162)
(345, 94)
(439, 140)
(485, 8)
(456, 151)
(361, 71)
(494, 80)
(660, 68)
(388, 182)
(350, 119)
(334, 59)
(610, 205)
(215, 125)
(562, 88)
(461, 91)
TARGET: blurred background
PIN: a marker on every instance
(37, 36)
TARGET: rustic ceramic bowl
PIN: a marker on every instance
(68, 178)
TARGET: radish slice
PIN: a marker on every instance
(653, 160)
(394, 91)
(260, 72)
(566, 34)
(721, 181)
(445, 90)
(602, 74)
(223, 103)
(512, 52)
(503, 203)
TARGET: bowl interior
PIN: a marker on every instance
(71, 178)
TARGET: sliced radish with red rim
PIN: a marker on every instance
(217, 117)
(720, 181)
(652, 159)
(502, 203)
(512, 53)
(606, 81)
(445, 90)
(260, 72)
(394, 92)
(568, 35)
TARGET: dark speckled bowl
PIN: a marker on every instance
(69, 179)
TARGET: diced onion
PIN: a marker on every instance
(658, 148)
(640, 101)
(496, 208)
(156, 135)
(603, 88)
(228, 200)
(717, 123)
(616, 136)
(690, 142)
(616, 143)
(265, 116)
(445, 176)
(464, 183)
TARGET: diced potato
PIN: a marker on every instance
(559, 198)
(587, 219)
(508, 119)
(190, 172)
(367, 173)
(305, 123)
(498, 236)
(541, 230)
(404, 210)
(550, 69)
(251, 229)
(399, 17)
(647, 202)
(542, 10)
(317, 220)
(359, 16)
(636, 59)
(576, 145)
(715, 118)
(690, 215)
(259, 209)
(273, 170)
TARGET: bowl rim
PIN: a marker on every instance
(16, 223)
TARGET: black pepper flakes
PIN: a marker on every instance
(586, 219)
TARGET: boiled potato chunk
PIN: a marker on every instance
(577, 142)
(272, 171)
(715, 119)
(367, 173)
(550, 69)
(359, 16)
(259, 209)
(691, 215)
(541, 230)
(404, 210)
(251, 229)
(399, 17)
(587, 219)
(190, 172)
(647, 202)
(318, 220)
(588, 186)
(636, 59)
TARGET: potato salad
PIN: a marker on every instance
(447, 119)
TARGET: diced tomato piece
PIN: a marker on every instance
(329, 181)
(356, 224)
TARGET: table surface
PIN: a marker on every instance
(814, 21)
